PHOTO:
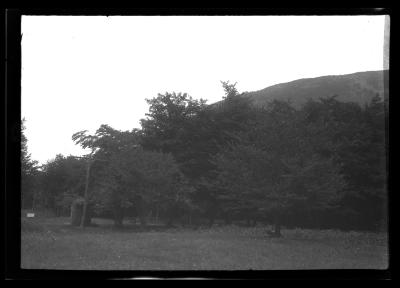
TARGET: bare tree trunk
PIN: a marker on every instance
(85, 204)
(76, 214)
(277, 230)
(118, 217)
(277, 226)
(88, 217)
(34, 200)
(157, 214)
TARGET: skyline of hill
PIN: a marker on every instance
(357, 87)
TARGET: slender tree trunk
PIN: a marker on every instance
(277, 226)
(88, 217)
(118, 217)
(34, 200)
(277, 230)
(250, 222)
(76, 214)
(85, 204)
(157, 214)
(142, 212)
(143, 221)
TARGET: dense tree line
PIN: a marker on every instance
(29, 172)
(322, 165)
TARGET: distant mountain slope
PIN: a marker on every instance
(357, 87)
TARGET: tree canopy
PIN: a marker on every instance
(322, 164)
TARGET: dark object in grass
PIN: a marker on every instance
(77, 211)
(77, 208)
(277, 231)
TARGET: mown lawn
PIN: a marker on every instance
(51, 243)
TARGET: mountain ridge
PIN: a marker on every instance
(357, 87)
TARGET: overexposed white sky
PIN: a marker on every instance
(79, 72)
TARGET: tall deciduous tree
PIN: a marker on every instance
(126, 176)
(273, 167)
(355, 137)
(29, 172)
(168, 120)
(62, 180)
(193, 132)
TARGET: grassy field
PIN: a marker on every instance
(51, 243)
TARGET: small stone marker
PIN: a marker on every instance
(30, 215)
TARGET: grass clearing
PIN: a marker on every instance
(51, 243)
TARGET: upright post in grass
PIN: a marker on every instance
(86, 196)
(90, 161)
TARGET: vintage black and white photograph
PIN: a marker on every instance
(199, 142)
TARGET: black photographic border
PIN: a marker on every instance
(12, 150)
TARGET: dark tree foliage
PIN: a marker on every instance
(356, 138)
(322, 164)
(274, 168)
(61, 181)
(193, 132)
(29, 173)
(319, 165)
(125, 177)
(177, 124)
(169, 118)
